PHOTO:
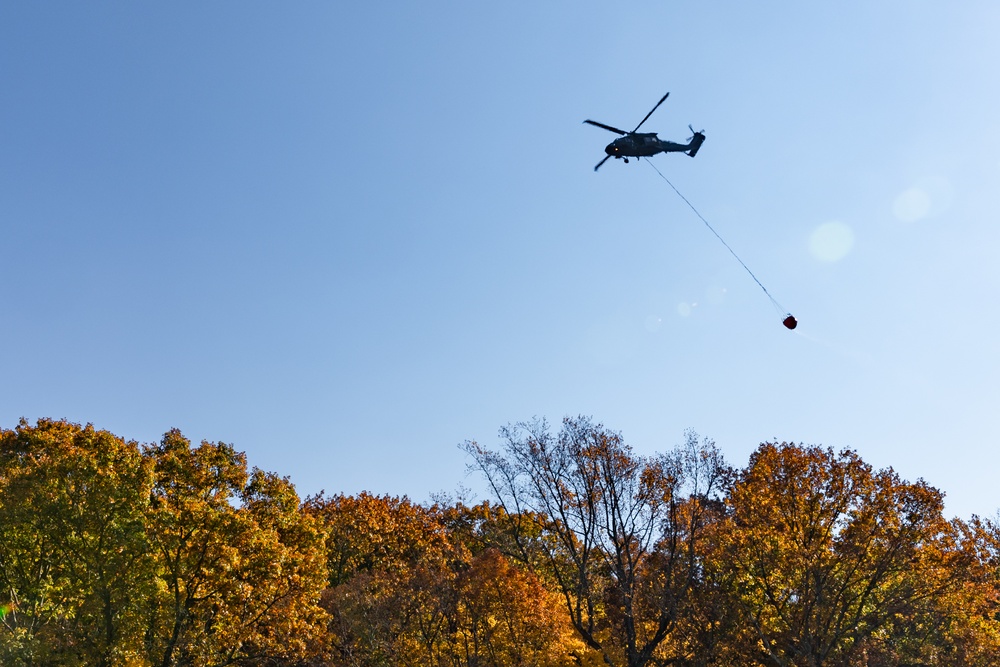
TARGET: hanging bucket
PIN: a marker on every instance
(790, 321)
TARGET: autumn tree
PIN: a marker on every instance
(959, 627)
(972, 620)
(422, 586)
(503, 614)
(504, 617)
(74, 564)
(617, 534)
(387, 560)
(240, 568)
(828, 558)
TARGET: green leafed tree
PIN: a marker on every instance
(173, 555)
(74, 560)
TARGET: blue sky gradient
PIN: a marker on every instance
(346, 238)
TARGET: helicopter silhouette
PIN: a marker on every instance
(644, 144)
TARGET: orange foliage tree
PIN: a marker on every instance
(416, 585)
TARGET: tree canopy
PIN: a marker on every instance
(586, 553)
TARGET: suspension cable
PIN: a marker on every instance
(789, 321)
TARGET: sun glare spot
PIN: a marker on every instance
(831, 241)
(683, 309)
(653, 323)
(927, 197)
(911, 205)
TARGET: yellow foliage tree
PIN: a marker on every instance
(240, 568)
(826, 558)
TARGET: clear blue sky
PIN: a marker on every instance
(346, 237)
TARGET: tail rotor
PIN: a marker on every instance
(695, 141)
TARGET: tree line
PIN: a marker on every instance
(586, 554)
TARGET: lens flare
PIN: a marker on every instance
(927, 197)
(911, 205)
(831, 241)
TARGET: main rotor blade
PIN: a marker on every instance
(607, 127)
(601, 162)
(651, 112)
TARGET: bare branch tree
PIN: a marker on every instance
(616, 532)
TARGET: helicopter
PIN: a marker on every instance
(644, 144)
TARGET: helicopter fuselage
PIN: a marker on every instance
(642, 144)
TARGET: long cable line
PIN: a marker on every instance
(789, 321)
